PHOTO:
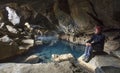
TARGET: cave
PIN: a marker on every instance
(51, 36)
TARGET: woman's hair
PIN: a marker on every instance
(99, 28)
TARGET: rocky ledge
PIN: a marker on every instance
(99, 63)
(63, 67)
(102, 64)
(65, 63)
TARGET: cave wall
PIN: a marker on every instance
(85, 13)
(72, 17)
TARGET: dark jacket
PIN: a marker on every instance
(97, 41)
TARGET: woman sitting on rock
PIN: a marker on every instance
(96, 43)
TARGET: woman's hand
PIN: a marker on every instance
(88, 44)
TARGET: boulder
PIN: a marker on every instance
(100, 61)
(11, 29)
(32, 59)
(5, 39)
(12, 42)
(28, 41)
(25, 45)
(12, 16)
(2, 24)
(63, 57)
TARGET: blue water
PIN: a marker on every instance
(60, 47)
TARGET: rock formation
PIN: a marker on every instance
(63, 57)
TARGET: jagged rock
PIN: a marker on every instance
(28, 41)
(32, 59)
(5, 39)
(13, 32)
(1, 25)
(11, 29)
(29, 28)
(71, 38)
(63, 57)
(12, 16)
(25, 45)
